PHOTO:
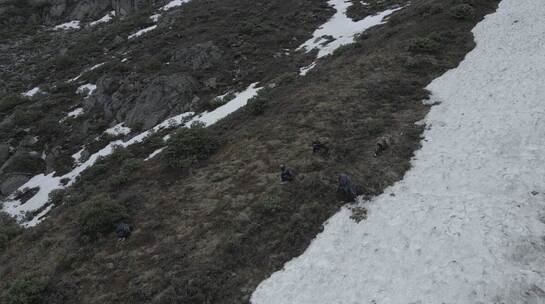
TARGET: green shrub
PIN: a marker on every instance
(189, 146)
(24, 117)
(257, 104)
(424, 45)
(24, 163)
(463, 12)
(150, 65)
(9, 102)
(9, 229)
(26, 291)
(94, 172)
(64, 62)
(268, 205)
(121, 153)
(99, 216)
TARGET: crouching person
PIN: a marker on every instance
(347, 190)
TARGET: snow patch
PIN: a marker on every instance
(72, 25)
(142, 31)
(463, 225)
(72, 114)
(118, 130)
(339, 30)
(174, 3)
(107, 18)
(155, 18)
(86, 89)
(32, 92)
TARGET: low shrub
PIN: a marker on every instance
(25, 117)
(26, 291)
(9, 102)
(24, 163)
(99, 216)
(9, 229)
(257, 104)
(463, 12)
(189, 146)
(424, 45)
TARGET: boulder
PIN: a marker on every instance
(12, 183)
(4, 153)
(164, 95)
(198, 57)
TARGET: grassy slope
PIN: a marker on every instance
(206, 236)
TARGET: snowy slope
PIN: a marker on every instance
(463, 226)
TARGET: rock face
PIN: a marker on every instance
(12, 183)
(133, 101)
(4, 154)
(198, 57)
(126, 7)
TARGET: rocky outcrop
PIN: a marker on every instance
(198, 57)
(126, 7)
(164, 95)
(133, 101)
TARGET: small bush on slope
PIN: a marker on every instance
(99, 216)
(189, 146)
(26, 291)
(257, 104)
(9, 229)
(463, 12)
(9, 102)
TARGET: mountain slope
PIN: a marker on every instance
(210, 232)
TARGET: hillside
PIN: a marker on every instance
(174, 117)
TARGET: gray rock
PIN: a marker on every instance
(164, 95)
(139, 104)
(4, 153)
(12, 183)
(198, 57)
(124, 8)
(90, 9)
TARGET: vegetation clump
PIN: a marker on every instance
(463, 12)
(99, 216)
(189, 146)
(9, 102)
(26, 291)
(424, 45)
(257, 104)
(9, 229)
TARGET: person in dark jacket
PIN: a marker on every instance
(346, 188)
(320, 148)
(123, 230)
(286, 174)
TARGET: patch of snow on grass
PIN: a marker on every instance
(155, 18)
(48, 183)
(73, 114)
(210, 118)
(118, 130)
(174, 3)
(339, 30)
(72, 25)
(107, 18)
(32, 92)
(142, 31)
(86, 89)
(465, 225)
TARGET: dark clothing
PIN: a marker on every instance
(287, 175)
(346, 188)
(123, 230)
(319, 147)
